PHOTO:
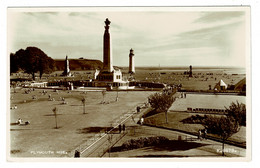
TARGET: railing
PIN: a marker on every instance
(89, 148)
(100, 143)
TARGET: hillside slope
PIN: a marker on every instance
(241, 85)
(78, 64)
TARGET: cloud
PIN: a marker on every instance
(36, 14)
(208, 17)
(75, 14)
(219, 36)
(172, 38)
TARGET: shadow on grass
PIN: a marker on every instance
(179, 156)
(15, 151)
(151, 113)
(19, 129)
(170, 145)
(14, 123)
(51, 114)
(175, 145)
(57, 128)
(47, 115)
(96, 130)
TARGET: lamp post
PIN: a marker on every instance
(110, 142)
(117, 94)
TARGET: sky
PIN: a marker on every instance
(159, 37)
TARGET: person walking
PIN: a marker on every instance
(141, 121)
(205, 133)
(77, 154)
(199, 134)
(123, 127)
(119, 128)
(138, 109)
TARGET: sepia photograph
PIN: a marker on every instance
(129, 82)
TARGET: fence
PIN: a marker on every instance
(103, 146)
(101, 142)
(92, 147)
(151, 131)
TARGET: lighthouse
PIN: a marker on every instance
(131, 61)
(107, 49)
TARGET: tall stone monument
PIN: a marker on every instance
(66, 71)
(131, 61)
(108, 76)
(107, 50)
(190, 74)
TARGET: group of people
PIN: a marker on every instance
(14, 107)
(121, 128)
(20, 122)
(183, 95)
(202, 134)
(29, 90)
(34, 97)
(44, 92)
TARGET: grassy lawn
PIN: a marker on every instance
(174, 121)
(41, 139)
(174, 148)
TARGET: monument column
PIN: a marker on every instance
(66, 71)
(190, 74)
(107, 49)
(131, 61)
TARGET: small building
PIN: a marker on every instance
(38, 84)
(221, 85)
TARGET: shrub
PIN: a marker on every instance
(143, 142)
(194, 119)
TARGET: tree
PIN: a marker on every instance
(14, 67)
(161, 102)
(83, 100)
(238, 112)
(55, 114)
(224, 127)
(46, 65)
(31, 60)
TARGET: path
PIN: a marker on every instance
(207, 148)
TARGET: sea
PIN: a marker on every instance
(227, 70)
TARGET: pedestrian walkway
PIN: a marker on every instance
(102, 143)
(215, 148)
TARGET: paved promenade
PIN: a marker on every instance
(204, 148)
